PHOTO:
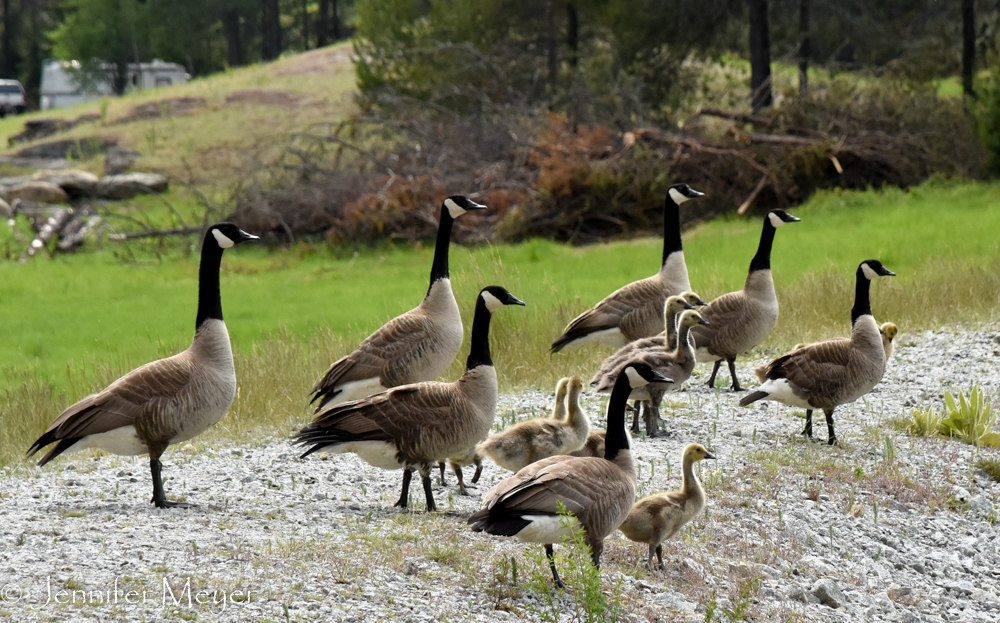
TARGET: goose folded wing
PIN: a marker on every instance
(724, 313)
(819, 367)
(384, 354)
(619, 308)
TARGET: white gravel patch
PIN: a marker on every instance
(905, 538)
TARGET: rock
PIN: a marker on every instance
(131, 184)
(829, 594)
(816, 563)
(797, 593)
(118, 160)
(76, 183)
(41, 192)
(693, 566)
(898, 592)
(960, 494)
(742, 570)
(981, 503)
(675, 600)
(75, 148)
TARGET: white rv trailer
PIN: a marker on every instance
(59, 87)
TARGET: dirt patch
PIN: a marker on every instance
(171, 107)
(75, 148)
(35, 129)
(259, 97)
(316, 63)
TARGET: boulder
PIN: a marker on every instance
(829, 594)
(75, 148)
(118, 160)
(76, 183)
(38, 191)
(131, 184)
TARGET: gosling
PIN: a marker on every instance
(657, 517)
(539, 438)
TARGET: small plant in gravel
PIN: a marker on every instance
(924, 422)
(504, 588)
(742, 599)
(970, 419)
(991, 467)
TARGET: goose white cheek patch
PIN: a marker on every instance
(677, 196)
(634, 378)
(492, 302)
(453, 208)
(869, 273)
(222, 239)
(776, 221)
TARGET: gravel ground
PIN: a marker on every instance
(886, 527)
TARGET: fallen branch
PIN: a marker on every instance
(753, 195)
(157, 233)
(55, 222)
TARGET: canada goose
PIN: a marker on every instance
(166, 401)
(835, 372)
(672, 309)
(539, 438)
(473, 455)
(412, 426)
(676, 364)
(598, 492)
(889, 332)
(635, 311)
(594, 445)
(657, 517)
(416, 346)
(741, 320)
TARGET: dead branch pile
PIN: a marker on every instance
(384, 176)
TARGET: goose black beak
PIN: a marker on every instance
(513, 300)
(245, 237)
(709, 455)
(694, 194)
(475, 206)
(659, 378)
(791, 219)
(885, 272)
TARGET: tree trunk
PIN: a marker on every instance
(270, 28)
(9, 67)
(552, 43)
(760, 56)
(968, 46)
(803, 46)
(323, 23)
(305, 24)
(337, 34)
(572, 35)
(234, 40)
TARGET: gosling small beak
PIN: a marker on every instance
(701, 303)
(709, 455)
(882, 331)
(688, 305)
(704, 322)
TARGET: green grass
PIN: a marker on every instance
(73, 323)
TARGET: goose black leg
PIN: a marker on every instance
(441, 467)
(808, 430)
(659, 556)
(732, 374)
(461, 483)
(479, 470)
(829, 426)
(552, 565)
(635, 418)
(426, 478)
(715, 370)
(649, 559)
(159, 498)
(405, 494)
(652, 420)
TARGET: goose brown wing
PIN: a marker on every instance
(157, 387)
(406, 415)
(724, 314)
(385, 354)
(628, 308)
(593, 489)
(819, 367)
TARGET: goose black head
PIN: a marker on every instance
(873, 268)
(640, 373)
(780, 217)
(457, 205)
(496, 297)
(227, 235)
(679, 193)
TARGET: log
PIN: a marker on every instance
(157, 233)
(55, 222)
(68, 240)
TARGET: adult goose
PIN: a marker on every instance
(598, 492)
(676, 364)
(539, 438)
(166, 401)
(412, 426)
(835, 372)
(416, 346)
(636, 310)
(741, 320)
(657, 517)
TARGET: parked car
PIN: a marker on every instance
(11, 98)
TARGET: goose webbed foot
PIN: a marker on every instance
(832, 441)
(732, 373)
(159, 497)
(659, 557)
(171, 504)
(431, 506)
(652, 415)
(405, 493)
(829, 427)
(462, 490)
(808, 430)
(715, 370)
(444, 483)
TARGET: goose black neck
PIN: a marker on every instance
(671, 228)
(862, 297)
(439, 269)
(209, 298)
(479, 351)
(762, 261)
(615, 439)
